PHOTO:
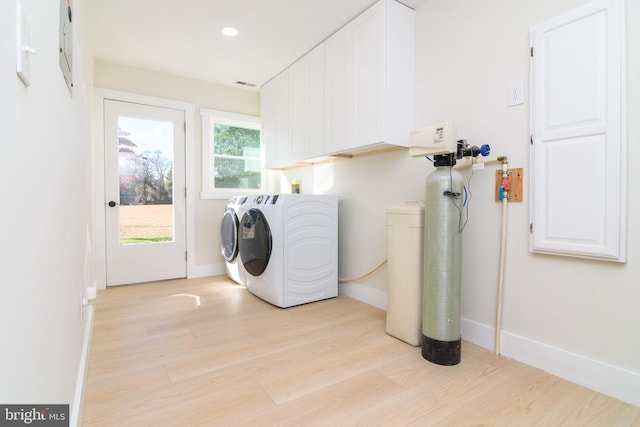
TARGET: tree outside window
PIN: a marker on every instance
(232, 155)
(236, 157)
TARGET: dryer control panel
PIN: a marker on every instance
(271, 200)
(264, 199)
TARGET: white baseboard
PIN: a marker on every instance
(365, 294)
(76, 408)
(607, 379)
(478, 334)
(206, 270)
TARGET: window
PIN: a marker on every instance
(231, 154)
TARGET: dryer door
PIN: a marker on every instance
(255, 242)
(229, 235)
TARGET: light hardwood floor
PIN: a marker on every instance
(207, 352)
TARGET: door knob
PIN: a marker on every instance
(112, 204)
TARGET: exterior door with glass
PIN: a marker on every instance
(145, 193)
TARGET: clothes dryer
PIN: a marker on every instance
(289, 248)
(229, 238)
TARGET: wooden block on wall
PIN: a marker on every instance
(515, 183)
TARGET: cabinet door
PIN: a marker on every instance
(274, 101)
(268, 121)
(340, 106)
(283, 141)
(355, 82)
(306, 82)
(578, 156)
(369, 76)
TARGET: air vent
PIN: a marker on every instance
(241, 83)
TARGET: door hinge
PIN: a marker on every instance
(532, 51)
(531, 139)
(531, 227)
(186, 256)
(185, 191)
(185, 126)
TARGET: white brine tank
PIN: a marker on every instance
(405, 243)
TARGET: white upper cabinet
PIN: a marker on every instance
(275, 118)
(352, 93)
(369, 74)
(268, 121)
(306, 94)
(578, 152)
(340, 89)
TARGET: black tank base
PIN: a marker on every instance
(446, 353)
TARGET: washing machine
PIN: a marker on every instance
(230, 238)
(289, 248)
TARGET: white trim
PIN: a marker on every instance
(235, 119)
(98, 166)
(365, 294)
(99, 235)
(478, 334)
(232, 119)
(613, 381)
(78, 399)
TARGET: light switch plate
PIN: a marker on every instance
(515, 94)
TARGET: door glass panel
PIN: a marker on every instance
(255, 242)
(229, 235)
(145, 169)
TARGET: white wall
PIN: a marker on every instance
(366, 186)
(575, 318)
(571, 306)
(208, 213)
(45, 228)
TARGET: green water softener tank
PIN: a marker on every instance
(441, 337)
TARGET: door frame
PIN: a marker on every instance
(99, 249)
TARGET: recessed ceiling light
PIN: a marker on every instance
(229, 31)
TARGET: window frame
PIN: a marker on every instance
(209, 118)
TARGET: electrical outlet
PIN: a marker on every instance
(515, 94)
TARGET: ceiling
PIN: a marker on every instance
(184, 37)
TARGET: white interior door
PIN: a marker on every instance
(145, 222)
